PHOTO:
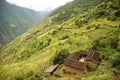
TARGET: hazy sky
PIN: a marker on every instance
(39, 4)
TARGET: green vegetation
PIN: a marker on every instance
(60, 56)
(68, 11)
(97, 28)
(15, 20)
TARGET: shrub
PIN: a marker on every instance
(53, 32)
(38, 77)
(112, 18)
(3, 75)
(95, 45)
(18, 78)
(111, 42)
(115, 62)
(115, 59)
(64, 37)
(79, 23)
(101, 13)
(57, 74)
(116, 71)
(59, 57)
(115, 4)
(30, 73)
(117, 13)
(103, 6)
(91, 26)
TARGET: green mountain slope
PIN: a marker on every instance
(16, 20)
(68, 11)
(97, 28)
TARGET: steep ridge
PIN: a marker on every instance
(97, 28)
(16, 20)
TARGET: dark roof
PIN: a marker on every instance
(77, 55)
(93, 56)
(73, 59)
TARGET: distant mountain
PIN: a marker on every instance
(78, 25)
(15, 20)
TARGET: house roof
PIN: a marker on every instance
(74, 63)
(93, 56)
(73, 59)
(77, 55)
(51, 68)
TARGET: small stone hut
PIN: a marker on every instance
(49, 71)
(79, 62)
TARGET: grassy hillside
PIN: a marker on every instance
(97, 28)
(68, 11)
(16, 20)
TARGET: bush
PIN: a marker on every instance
(115, 62)
(79, 23)
(18, 78)
(53, 32)
(57, 74)
(3, 75)
(64, 37)
(115, 59)
(60, 56)
(101, 13)
(115, 4)
(111, 42)
(116, 71)
(30, 73)
(117, 13)
(38, 76)
(92, 26)
(112, 18)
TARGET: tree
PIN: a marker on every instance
(60, 56)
